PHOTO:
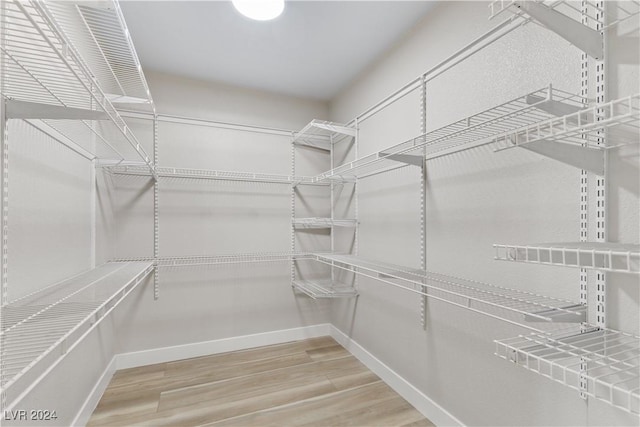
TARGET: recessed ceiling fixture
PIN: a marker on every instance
(260, 10)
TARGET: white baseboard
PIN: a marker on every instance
(420, 401)
(90, 404)
(427, 407)
(186, 351)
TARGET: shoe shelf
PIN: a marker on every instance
(38, 330)
(614, 257)
(318, 289)
(48, 83)
(607, 361)
(526, 309)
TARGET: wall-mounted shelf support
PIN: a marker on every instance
(579, 35)
(591, 159)
(34, 110)
(405, 158)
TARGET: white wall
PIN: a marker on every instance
(474, 199)
(219, 217)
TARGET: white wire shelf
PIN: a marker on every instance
(473, 131)
(529, 310)
(318, 289)
(572, 20)
(46, 79)
(322, 134)
(621, 118)
(39, 329)
(168, 172)
(323, 223)
(614, 257)
(201, 260)
(610, 362)
(99, 32)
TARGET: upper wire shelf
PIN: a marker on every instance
(322, 134)
(529, 310)
(469, 132)
(99, 32)
(46, 79)
(323, 222)
(621, 118)
(614, 257)
(318, 289)
(201, 260)
(607, 361)
(40, 328)
(205, 174)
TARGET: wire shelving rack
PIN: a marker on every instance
(607, 360)
(323, 134)
(39, 329)
(518, 307)
(324, 288)
(47, 79)
(614, 257)
(473, 131)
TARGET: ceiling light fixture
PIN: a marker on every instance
(260, 10)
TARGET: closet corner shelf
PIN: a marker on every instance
(569, 20)
(607, 361)
(614, 257)
(531, 311)
(318, 289)
(323, 223)
(39, 329)
(470, 132)
(53, 75)
(322, 134)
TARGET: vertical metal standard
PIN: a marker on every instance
(156, 214)
(584, 201)
(355, 199)
(601, 187)
(93, 208)
(4, 200)
(423, 203)
(293, 209)
(332, 207)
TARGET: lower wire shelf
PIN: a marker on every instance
(606, 362)
(324, 289)
(39, 329)
(532, 311)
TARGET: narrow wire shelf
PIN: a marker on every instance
(39, 329)
(46, 78)
(473, 131)
(620, 117)
(323, 134)
(607, 361)
(614, 257)
(323, 223)
(202, 260)
(167, 172)
(100, 34)
(526, 309)
(319, 289)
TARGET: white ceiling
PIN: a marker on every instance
(312, 50)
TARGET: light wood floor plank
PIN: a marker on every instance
(312, 382)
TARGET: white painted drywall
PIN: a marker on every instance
(474, 199)
(200, 217)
